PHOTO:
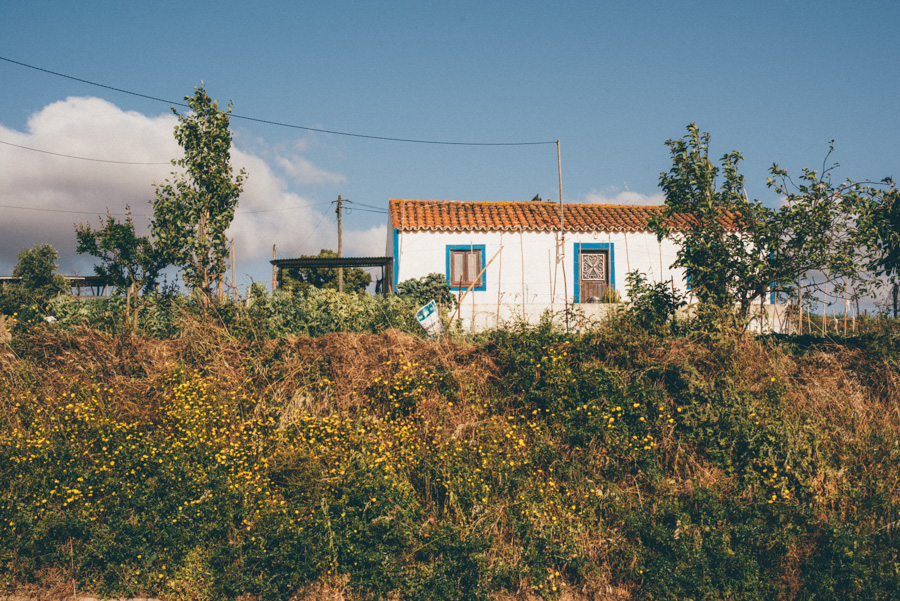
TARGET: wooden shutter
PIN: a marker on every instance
(465, 268)
(457, 267)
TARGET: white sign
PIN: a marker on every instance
(430, 319)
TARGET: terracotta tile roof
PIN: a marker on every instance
(534, 216)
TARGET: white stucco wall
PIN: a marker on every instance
(543, 281)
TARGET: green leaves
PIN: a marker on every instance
(738, 251)
(193, 212)
(126, 259)
(302, 278)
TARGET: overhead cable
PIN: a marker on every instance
(70, 156)
(239, 212)
(278, 123)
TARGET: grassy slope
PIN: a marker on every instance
(528, 463)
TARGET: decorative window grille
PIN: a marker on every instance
(593, 267)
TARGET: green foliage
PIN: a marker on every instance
(535, 462)
(433, 286)
(736, 251)
(26, 300)
(311, 313)
(325, 278)
(126, 259)
(880, 232)
(37, 268)
(192, 212)
(652, 306)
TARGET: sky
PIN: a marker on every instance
(611, 80)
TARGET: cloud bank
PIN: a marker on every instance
(43, 195)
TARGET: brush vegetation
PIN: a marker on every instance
(219, 458)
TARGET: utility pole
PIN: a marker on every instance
(340, 244)
(273, 268)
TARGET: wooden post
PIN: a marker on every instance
(273, 269)
(522, 253)
(233, 280)
(499, 281)
(340, 246)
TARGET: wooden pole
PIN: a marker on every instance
(499, 281)
(550, 274)
(274, 280)
(627, 258)
(340, 246)
(562, 233)
(522, 253)
(233, 280)
(463, 295)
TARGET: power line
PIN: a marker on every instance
(310, 234)
(239, 212)
(278, 123)
(70, 156)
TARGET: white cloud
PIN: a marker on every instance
(367, 243)
(304, 172)
(47, 186)
(624, 197)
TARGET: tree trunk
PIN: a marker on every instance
(895, 291)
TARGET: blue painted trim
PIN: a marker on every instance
(480, 247)
(396, 257)
(607, 246)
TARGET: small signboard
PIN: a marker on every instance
(430, 319)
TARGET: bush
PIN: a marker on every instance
(652, 306)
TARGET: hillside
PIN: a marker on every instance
(613, 464)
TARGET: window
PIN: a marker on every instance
(464, 265)
(595, 273)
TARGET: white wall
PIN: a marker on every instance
(545, 281)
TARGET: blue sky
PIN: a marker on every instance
(611, 80)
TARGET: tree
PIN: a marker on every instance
(736, 251)
(880, 227)
(302, 278)
(37, 268)
(127, 261)
(39, 283)
(726, 248)
(192, 213)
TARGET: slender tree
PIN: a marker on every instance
(192, 211)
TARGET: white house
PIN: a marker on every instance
(517, 259)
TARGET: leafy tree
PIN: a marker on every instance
(725, 249)
(737, 251)
(302, 278)
(37, 268)
(880, 227)
(127, 261)
(192, 213)
(430, 287)
(40, 282)
(832, 229)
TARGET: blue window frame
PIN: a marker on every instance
(464, 263)
(605, 246)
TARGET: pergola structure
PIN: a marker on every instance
(95, 284)
(385, 263)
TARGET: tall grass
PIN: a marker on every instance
(618, 462)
